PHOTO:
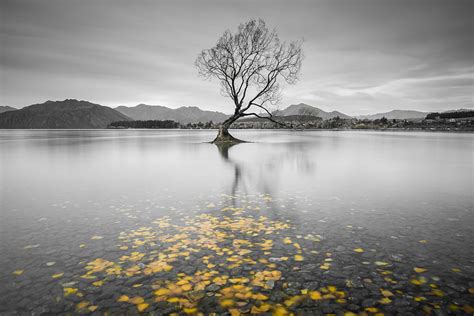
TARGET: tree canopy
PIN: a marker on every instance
(250, 64)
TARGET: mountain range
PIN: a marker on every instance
(61, 114)
(72, 113)
(308, 110)
(183, 115)
(396, 114)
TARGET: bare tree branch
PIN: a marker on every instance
(266, 118)
(250, 64)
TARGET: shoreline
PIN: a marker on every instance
(251, 129)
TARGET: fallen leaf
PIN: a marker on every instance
(92, 308)
(227, 303)
(142, 306)
(386, 293)
(69, 290)
(260, 297)
(137, 300)
(123, 298)
(82, 305)
(190, 310)
(57, 275)
(315, 295)
(161, 292)
(280, 311)
(299, 258)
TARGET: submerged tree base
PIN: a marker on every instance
(224, 137)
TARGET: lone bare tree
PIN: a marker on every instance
(249, 65)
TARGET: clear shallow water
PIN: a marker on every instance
(405, 199)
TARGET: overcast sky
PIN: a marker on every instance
(360, 56)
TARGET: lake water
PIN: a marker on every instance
(307, 222)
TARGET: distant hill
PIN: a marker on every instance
(6, 108)
(308, 110)
(396, 114)
(282, 119)
(183, 115)
(61, 114)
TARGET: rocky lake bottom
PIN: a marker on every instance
(233, 256)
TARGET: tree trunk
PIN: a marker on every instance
(223, 136)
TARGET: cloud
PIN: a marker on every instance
(366, 55)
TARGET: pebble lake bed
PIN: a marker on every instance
(304, 223)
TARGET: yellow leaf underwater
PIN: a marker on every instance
(315, 295)
(57, 275)
(186, 287)
(123, 298)
(18, 272)
(234, 312)
(325, 266)
(359, 250)
(227, 303)
(137, 300)
(418, 281)
(142, 306)
(69, 290)
(162, 291)
(190, 310)
(93, 308)
(260, 297)
(437, 292)
(280, 311)
(299, 258)
(386, 293)
(260, 309)
(419, 270)
(82, 305)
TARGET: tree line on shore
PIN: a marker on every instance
(161, 124)
(449, 115)
(433, 121)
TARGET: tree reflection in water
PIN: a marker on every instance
(262, 174)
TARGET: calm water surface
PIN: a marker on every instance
(355, 210)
